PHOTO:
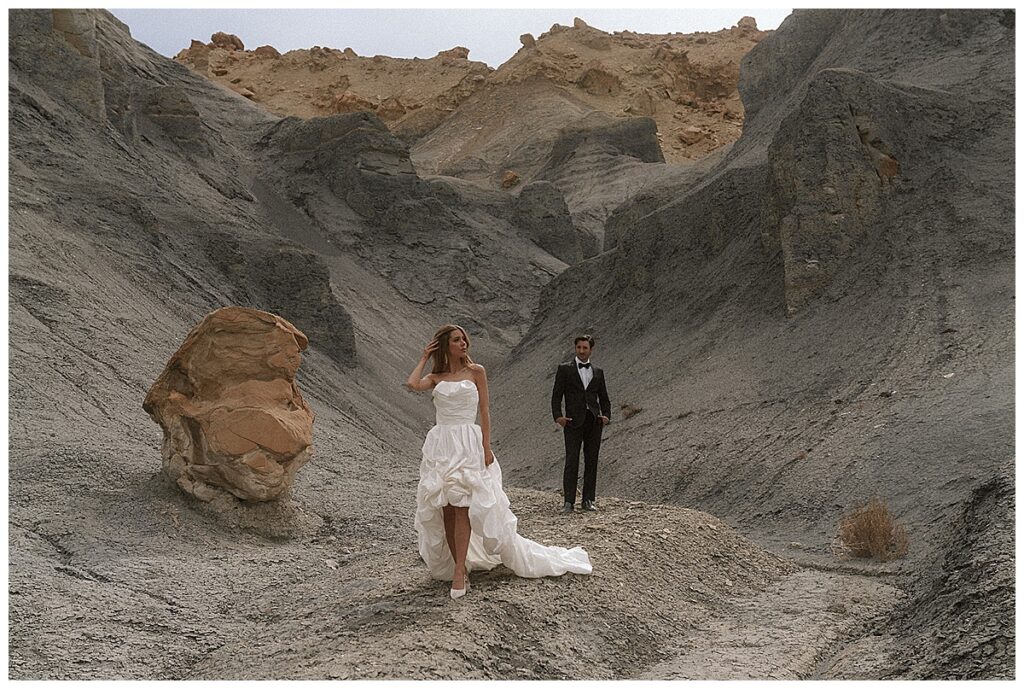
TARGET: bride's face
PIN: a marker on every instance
(457, 345)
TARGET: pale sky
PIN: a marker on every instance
(492, 36)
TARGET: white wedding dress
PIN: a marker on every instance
(453, 473)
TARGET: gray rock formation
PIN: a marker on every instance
(57, 48)
(598, 163)
(437, 244)
(810, 314)
(289, 281)
(356, 156)
(959, 621)
(541, 212)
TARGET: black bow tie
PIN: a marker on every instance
(583, 365)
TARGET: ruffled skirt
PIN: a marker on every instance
(452, 472)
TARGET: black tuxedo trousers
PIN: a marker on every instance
(588, 436)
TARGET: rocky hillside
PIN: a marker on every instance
(825, 314)
(411, 96)
(685, 82)
(555, 112)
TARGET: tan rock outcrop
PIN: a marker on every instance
(347, 101)
(597, 80)
(412, 95)
(197, 57)
(390, 110)
(226, 41)
(267, 52)
(232, 416)
(691, 135)
(456, 53)
(679, 80)
(644, 104)
(509, 179)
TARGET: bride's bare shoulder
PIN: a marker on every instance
(478, 370)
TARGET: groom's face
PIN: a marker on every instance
(583, 350)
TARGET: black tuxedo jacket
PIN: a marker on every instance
(577, 399)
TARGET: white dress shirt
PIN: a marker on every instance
(586, 374)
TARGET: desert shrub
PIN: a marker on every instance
(871, 531)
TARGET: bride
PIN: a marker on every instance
(463, 520)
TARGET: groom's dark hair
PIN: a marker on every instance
(588, 338)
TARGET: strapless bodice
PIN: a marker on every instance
(456, 402)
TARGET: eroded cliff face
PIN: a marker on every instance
(576, 107)
(685, 82)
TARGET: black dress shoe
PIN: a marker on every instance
(589, 506)
(567, 508)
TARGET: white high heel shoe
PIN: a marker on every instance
(459, 593)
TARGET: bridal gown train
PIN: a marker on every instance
(452, 472)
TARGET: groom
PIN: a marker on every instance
(587, 411)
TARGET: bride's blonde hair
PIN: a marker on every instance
(440, 355)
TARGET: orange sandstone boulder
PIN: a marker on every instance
(232, 416)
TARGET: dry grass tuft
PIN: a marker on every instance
(871, 531)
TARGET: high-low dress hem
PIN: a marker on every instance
(452, 472)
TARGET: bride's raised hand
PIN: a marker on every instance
(430, 348)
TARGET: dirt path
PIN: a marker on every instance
(782, 632)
